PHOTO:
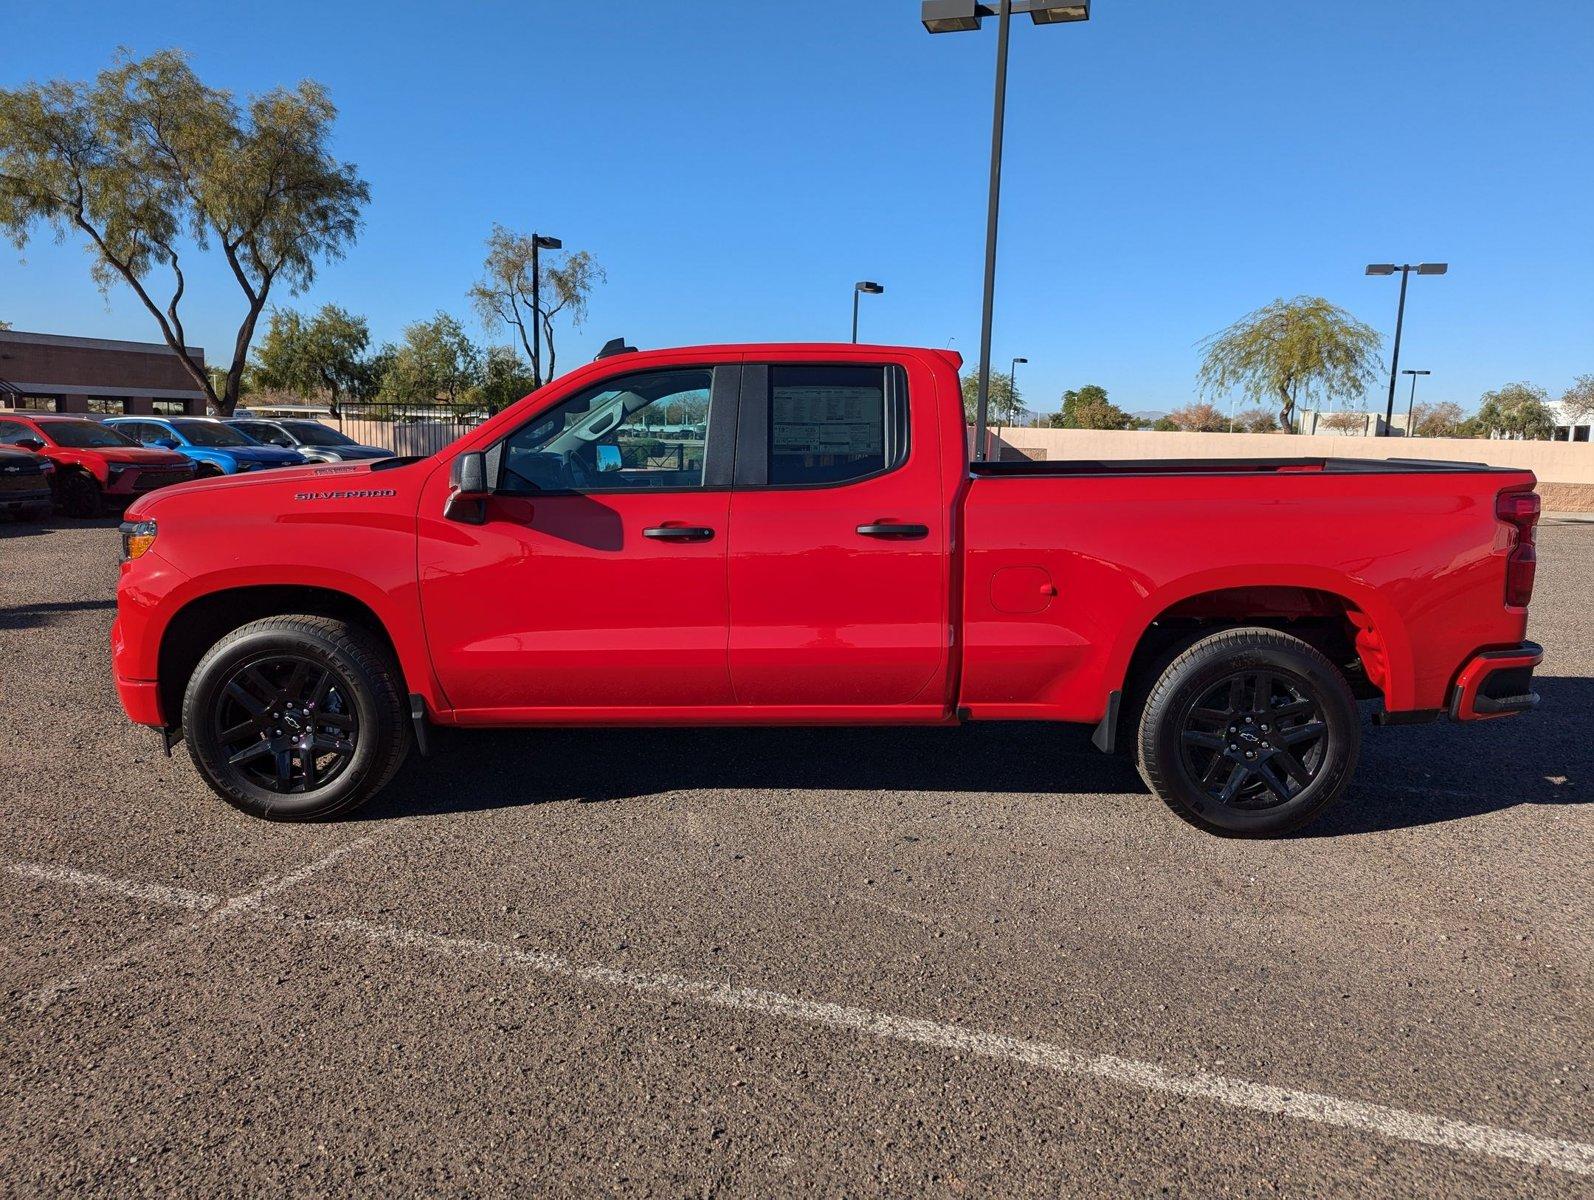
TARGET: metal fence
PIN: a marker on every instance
(405, 429)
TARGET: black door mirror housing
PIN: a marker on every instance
(30, 443)
(467, 489)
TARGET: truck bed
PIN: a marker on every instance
(1234, 466)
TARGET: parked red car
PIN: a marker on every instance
(96, 467)
(791, 534)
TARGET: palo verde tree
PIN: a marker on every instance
(1289, 352)
(148, 164)
(511, 295)
(323, 353)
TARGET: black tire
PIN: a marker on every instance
(80, 495)
(1249, 733)
(270, 690)
(208, 471)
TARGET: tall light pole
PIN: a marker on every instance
(1012, 381)
(1405, 270)
(1411, 405)
(538, 243)
(866, 287)
(961, 16)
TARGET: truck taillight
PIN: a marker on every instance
(1520, 510)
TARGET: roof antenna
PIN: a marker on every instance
(612, 347)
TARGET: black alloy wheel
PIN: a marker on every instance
(1249, 732)
(1253, 740)
(286, 723)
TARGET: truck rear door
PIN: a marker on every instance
(839, 567)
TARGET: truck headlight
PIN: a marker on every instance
(137, 537)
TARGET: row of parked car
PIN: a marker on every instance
(85, 465)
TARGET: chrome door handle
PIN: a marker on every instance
(679, 533)
(895, 531)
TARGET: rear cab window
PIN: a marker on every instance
(821, 425)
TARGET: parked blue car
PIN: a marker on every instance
(219, 449)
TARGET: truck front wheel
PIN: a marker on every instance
(296, 718)
(1249, 733)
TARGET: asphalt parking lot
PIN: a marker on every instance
(976, 962)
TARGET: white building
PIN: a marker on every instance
(1566, 430)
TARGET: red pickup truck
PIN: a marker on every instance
(793, 534)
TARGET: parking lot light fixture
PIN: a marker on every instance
(864, 287)
(1044, 13)
(951, 16)
(1411, 405)
(539, 243)
(959, 16)
(1405, 270)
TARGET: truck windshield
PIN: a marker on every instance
(313, 433)
(212, 433)
(84, 435)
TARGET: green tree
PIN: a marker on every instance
(506, 296)
(505, 379)
(436, 361)
(1517, 410)
(1088, 408)
(1005, 405)
(324, 353)
(1442, 419)
(1292, 351)
(1198, 418)
(148, 164)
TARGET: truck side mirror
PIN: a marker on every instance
(30, 443)
(467, 489)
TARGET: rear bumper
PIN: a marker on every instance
(1496, 683)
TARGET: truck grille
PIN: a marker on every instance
(149, 480)
(21, 480)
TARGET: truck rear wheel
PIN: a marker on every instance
(1249, 733)
(296, 718)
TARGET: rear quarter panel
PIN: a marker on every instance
(1422, 556)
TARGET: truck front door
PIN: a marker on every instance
(596, 582)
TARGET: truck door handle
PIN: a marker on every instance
(895, 531)
(679, 533)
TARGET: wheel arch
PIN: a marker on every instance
(202, 621)
(1348, 620)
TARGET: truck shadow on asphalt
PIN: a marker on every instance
(1408, 777)
(32, 616)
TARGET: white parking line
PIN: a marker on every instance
(220, 909)
(90, 882)
(1313, 1107)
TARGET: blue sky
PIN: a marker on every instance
(736, 168)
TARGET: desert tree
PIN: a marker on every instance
(1517, 410)
(1199, 417)
(511, 295)
(1291, 351)
(322, 353)
(1439, 419)
(436, 361)
(149, 164)
(1577, 402)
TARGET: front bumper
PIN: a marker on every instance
(42, 497)
(135, 481)
(1496, 683)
